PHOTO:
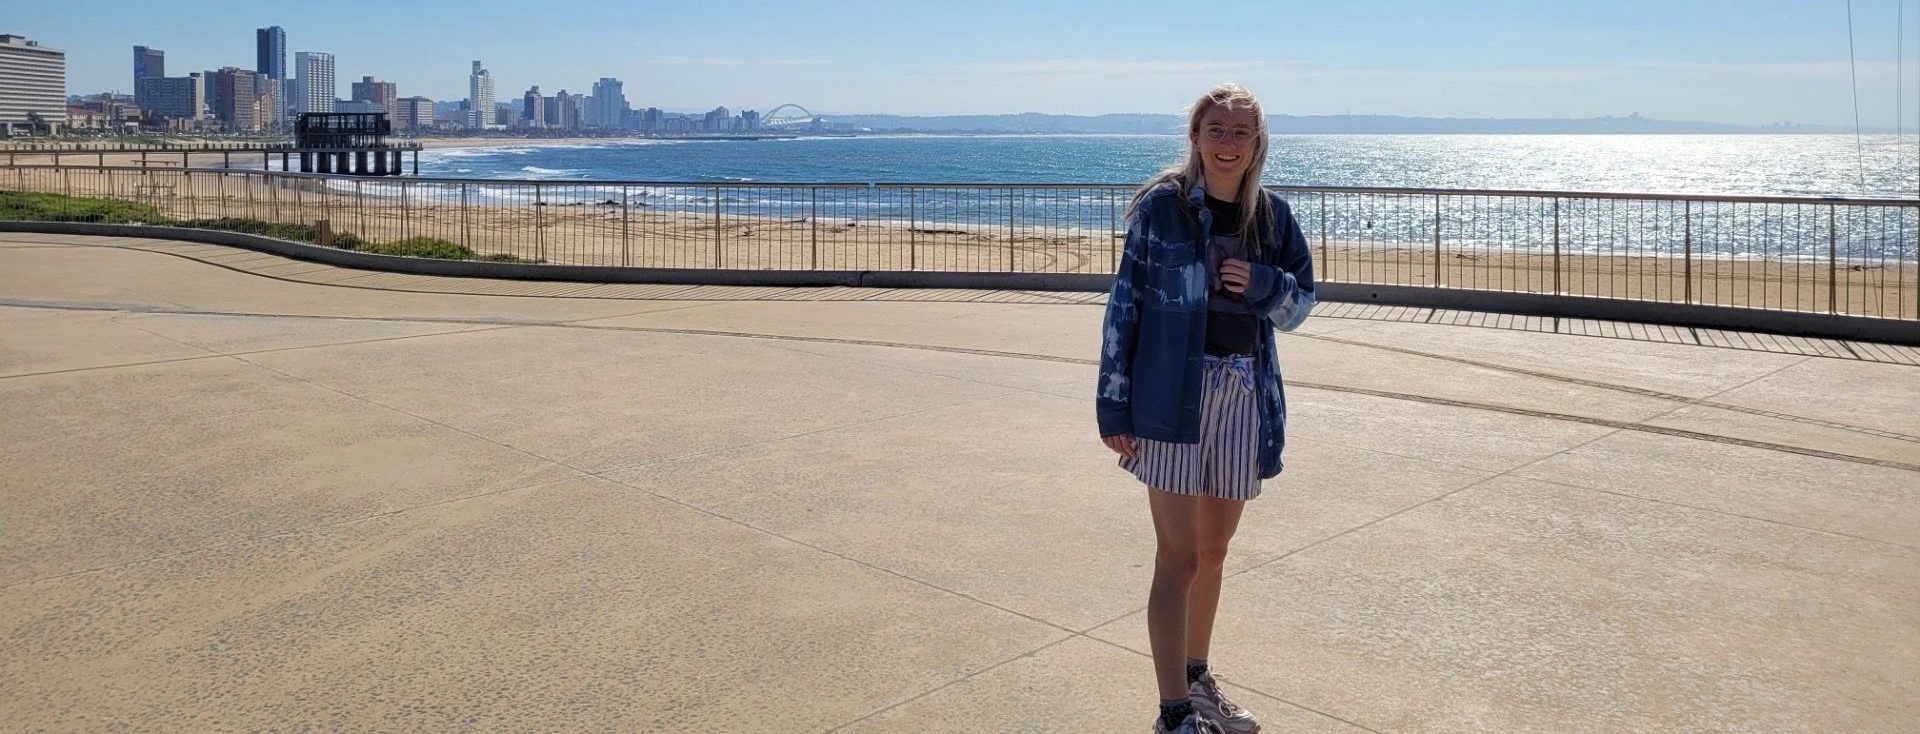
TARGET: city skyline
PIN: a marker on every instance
(1751, 63)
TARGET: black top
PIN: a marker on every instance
(1226, 216)
(1231, 327)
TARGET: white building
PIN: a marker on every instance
(480, 98)
(33, 86)
(608, 105)
(313, 82)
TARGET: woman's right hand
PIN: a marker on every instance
(1122, 444)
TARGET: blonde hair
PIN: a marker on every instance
(1255, 211)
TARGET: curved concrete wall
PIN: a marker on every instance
(1796, 323)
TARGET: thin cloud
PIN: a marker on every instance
(1108, 67)
(729, 62)
(1550, 75)
(1794, 68)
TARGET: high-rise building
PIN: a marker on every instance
(210, 86)
(173, 97)
(565, 110)
(719, 120)
(148, 63)
(750, 120)
(270, 59)
(609, 104)
(369, 89)
(479, 97)
(209, 95)
(33, 86)
(270, 51)
(313, 85)
(413, 113)
(238, 106)
(533, 108)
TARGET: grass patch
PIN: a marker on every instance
(501, 257)
(38, 207)
(27, 206)
(432, 247)
(438, 249)
(277, 230)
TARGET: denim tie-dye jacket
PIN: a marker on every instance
(1155, 335)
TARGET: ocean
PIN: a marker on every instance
(1799, 165)
(1790, 165)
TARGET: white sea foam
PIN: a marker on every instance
(539, 172)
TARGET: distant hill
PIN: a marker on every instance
(1033, 122)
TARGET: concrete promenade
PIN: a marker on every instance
(245, 493)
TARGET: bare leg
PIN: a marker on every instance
(1215, 523)
(1175, 519)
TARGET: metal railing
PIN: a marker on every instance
(1820, 255)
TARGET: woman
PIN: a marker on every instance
(1190, 393)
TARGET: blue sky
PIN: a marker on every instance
(1755, 61)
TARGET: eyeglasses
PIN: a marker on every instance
(1239, 135)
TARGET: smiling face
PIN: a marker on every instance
(1225, 142)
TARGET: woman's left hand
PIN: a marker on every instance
(1235, 274)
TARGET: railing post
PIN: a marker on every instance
(300, 202)
(1323, 233)
(539, 223)
(716, 227)
(1011, 262)
(814, 220)
(406, 210)
(626, 227)
(466, 238)
(913, 223)
(360, 210)
(1556, 245)
(1687, 258)
(1833, 245)
(1438, 280)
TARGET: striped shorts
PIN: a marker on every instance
(1226, 461)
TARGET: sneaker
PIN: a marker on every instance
(1193, 724)
(1210, 703)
